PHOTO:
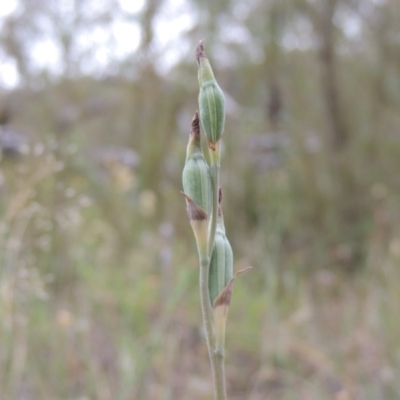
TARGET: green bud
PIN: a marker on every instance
(211, 100)
(196, 176)
(221, 264)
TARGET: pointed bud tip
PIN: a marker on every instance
(200, 53)
(242, 270)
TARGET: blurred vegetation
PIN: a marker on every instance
(98, 284)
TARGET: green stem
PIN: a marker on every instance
(219, 377)
(214, 170)
(216, 359)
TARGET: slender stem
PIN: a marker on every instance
(219, 377)
(214, 170)
(216, 359)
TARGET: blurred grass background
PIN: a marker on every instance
(98, 284)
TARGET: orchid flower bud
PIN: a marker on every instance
(211, 100)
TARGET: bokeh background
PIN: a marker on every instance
(98, 265)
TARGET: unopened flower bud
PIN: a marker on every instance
(196, 176)
(221, 264)
(211, 100)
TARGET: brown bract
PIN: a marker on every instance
(195, 131)
(224, 298)
(194, 211)
(211, 145)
